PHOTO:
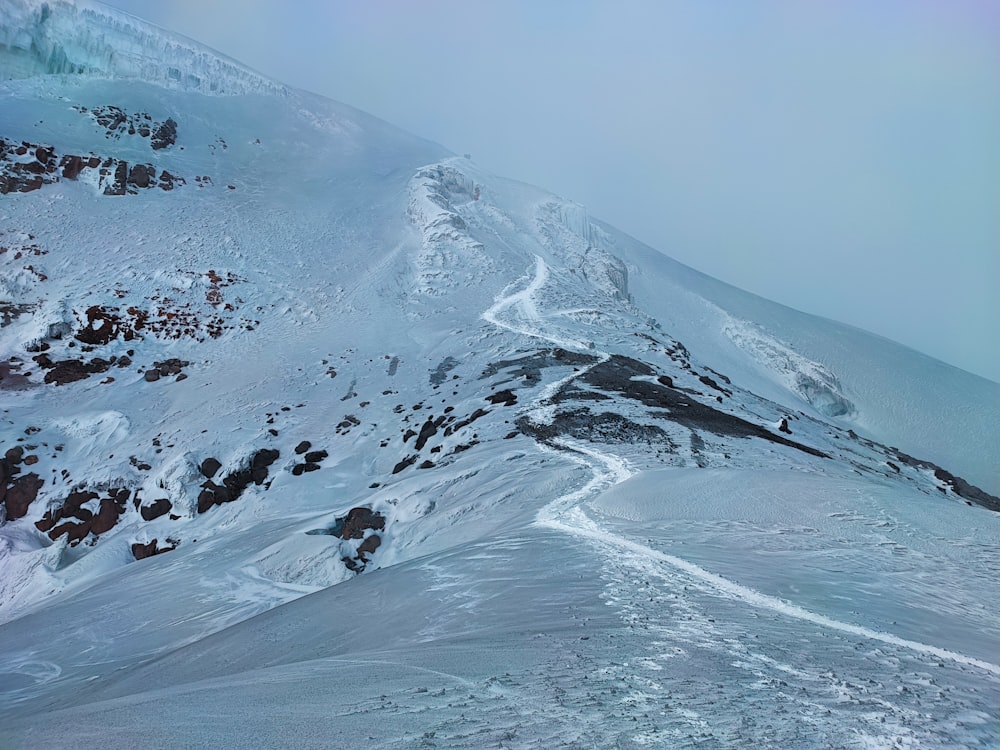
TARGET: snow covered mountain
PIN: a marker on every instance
(314, 433)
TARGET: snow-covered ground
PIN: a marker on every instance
(605, 501)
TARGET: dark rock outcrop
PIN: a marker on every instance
(141, 551)
(506, 397)
(234, 485)
(77, 522)
(20, 493)
(358, 520)
(210, 467)
(158, 508)
(165, 135)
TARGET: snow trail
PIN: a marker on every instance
(524, 301)
(566, 514)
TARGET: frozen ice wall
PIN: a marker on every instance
(40, 37)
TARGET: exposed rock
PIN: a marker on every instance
(314, 457)
(618, 375)
(20, 493)
(158, 508)
(506, 397)
(141, 551)
(358, 520)
(152, 376)
(114, 182)
(165, 135)
(209, 467)
(103, 326)
(235, 484)
(439, 374)
(71, 370)
(368, 546)
(79, 522)
(302, 447)
(171, 366)
(607, 427)
(529, 368)
(142, 176)
(408, 461)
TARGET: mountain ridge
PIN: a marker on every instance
(442, 447)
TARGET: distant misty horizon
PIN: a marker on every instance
(841, 160)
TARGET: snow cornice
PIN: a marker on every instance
(84, 37)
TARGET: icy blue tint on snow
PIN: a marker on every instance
(618, 503)
(840, 158)
(82, 38)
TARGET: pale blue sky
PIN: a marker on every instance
(840, 157)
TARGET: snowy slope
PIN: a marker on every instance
(311, 428)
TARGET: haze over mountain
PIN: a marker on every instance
(840, 158)
(316, 433)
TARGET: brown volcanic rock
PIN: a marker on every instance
(79, 522)
(209, 467)
(20, 494)
(165, 135)
(159, 508)
(368, 546)
(141, 551)
(234, 484)
(142, 176)
(103, 326)
(116, 185)
(70, 370)
(358, 520)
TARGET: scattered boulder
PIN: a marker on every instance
(209, 467)
(142, 176)
(235, 484)
(165, 135)
(141, 551)
(506, 397)
(358, 524)
(77, 521)
(158, 508)
(311, 459)
(408, 461)
(114, 182)
(358, 520)
(368, 546)
(71, 370)
(427, 431)
(102, 327)
(20, 493)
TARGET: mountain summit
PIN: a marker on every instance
(312, 429)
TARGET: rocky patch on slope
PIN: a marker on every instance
(116, 123)
(83, 513)
(142, 550)
(25, 167)
(17, 491)
(236, 483)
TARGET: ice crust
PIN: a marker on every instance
(83, 37)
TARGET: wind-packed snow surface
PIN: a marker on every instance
(314, 434)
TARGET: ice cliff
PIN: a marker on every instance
(82, 37)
